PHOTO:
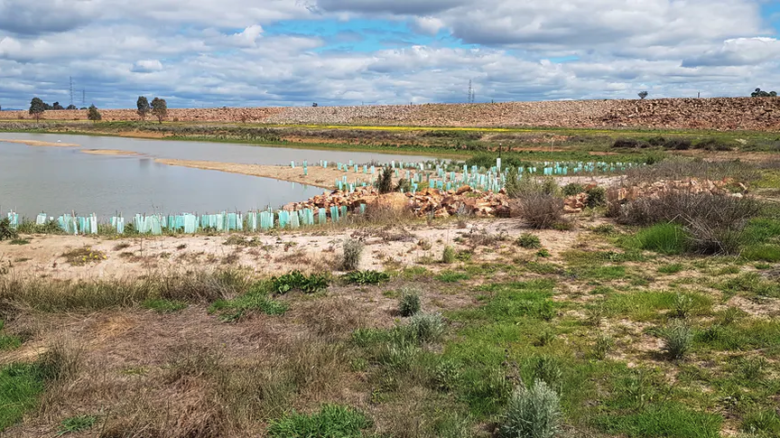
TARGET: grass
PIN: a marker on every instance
(9, 342)
(452, 277)
(77, 424)
(668, 420)
(652, 305)
(671, 268)
(20, 386)
(332, 421)
(256, 299)
(83, 256)
(666, 239)
(161, 305)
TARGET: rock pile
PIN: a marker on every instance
(439, 203)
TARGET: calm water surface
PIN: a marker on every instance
(59, 180)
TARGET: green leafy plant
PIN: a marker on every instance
(683, 305)
(529, 241)
(296, 280)
(602, 347)
(409, 304)
(366, 277)
(7, 232)
(597, 197)
(532, 413)
(573, 189)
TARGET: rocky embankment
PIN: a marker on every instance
(717, 113)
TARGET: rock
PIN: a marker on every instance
(464, 189)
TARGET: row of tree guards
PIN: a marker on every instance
(157, 224)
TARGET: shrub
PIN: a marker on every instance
(353, 250)
(410, 302)
(6, 231)
(385, 182)
(678, 144)
(597, 197)
(428, 327)
(332, 421)
(529, 241)
(541, 210)
(628, 143)
(677, 340)
(448, 256)
(532, 413)
(366, 277)
(573, 189)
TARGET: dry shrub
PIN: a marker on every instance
(385, 213)
(353, 252)
(331, 318)
(204, 286)
(315, 366)
(541, 210)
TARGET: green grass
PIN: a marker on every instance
(665, 419)
(366, 277)
(649, 306)
(671, 268)
(162, 305)
(666, 239)
(256, 299)
(452, 277)
(20, 386)
(9, 342)
(76, 424)
(750, 284)
(746, 334)
(332, 421)
(763, 253)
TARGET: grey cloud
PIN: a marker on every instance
(398, 7)
(27, 17)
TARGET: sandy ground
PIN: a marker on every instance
(268, 254)
(39, 143)
(109, 152)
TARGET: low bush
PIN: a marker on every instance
(353, 251)
(332, 421)
(541, 210)
(532, 413)
(448, 256)
(572, 189)
(366, 277)
(7, 232)
(628, 143)
(529, 241)
(597, 197)
(427, 327)
(409, 304)
(296, 280)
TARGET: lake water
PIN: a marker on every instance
(59, 180)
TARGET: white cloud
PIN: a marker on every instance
(147, 66)
(427, 25)
(738, 51)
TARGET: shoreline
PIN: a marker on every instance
(40, 143)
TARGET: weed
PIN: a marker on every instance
(446, 375)
(677, 340)
(121, 246)
(532, 413)
(448, 256)
(594, 315)
(9, 342)
(452, 277)
(730, 315)
(353, 250)
(464, 256)
(602, 347)
(543, 253)
(366, 277)
(162, 305)
(753, 369)
(256, 299)
(750, 283)
(296, 280)
(427, 327)
(683, 305)
(84, 256)
(409, 304)
(529, 241)
(548, 370)
(663, 238)
(546, 338)
(76, 424)
(604, 229)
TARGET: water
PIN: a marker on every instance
(59, 180)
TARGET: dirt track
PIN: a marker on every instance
(717, 113)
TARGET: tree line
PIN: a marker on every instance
(158, 108)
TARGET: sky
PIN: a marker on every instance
(208, 53)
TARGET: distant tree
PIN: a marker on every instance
(760, 93)
(643, 94)
(57, 106)
(93, 114)
(71, 107)
(143, 107)
(47, 107)
(159, 109)
(83, 108)
(37, 107)
(314, 105)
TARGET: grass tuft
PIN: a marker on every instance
(332, 421)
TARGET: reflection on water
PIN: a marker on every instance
(57, 180)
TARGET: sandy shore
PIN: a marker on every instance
(317, 176)
(39, 143)
(109, 152)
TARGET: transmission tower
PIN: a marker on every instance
(471, 93)
(83, 97)
(71, 90)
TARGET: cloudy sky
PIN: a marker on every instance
(206, 53)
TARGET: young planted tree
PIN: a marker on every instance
(643, 95)
(159, 109)
(93, 114)
(143, 107)
(37, 107)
